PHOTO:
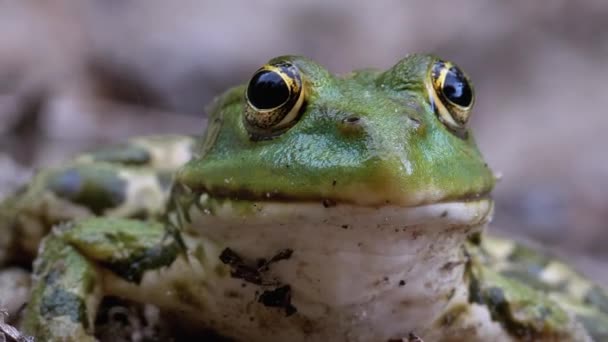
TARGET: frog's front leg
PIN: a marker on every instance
(130, 180)
(66, 295)
(79, 260)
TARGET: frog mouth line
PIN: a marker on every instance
(245, 195)
(458, 211)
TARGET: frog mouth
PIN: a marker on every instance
(465, 210)
(408, 201)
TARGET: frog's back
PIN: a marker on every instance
(129, 180)
(548, 277)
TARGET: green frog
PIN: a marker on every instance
(315, 207)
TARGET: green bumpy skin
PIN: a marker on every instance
(158, 220)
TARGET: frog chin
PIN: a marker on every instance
(380, 271)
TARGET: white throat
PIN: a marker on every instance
(356, 273)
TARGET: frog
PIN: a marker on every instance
(314, 207)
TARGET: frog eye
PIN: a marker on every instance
(274, 98)
(451, 94)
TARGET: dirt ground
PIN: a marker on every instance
(75, 74)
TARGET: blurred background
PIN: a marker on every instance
(75, 74)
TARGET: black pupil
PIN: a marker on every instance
(267, 90)
(456, 88)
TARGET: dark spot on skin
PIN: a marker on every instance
(475, 239)
(344, 226)
(401, 283)
(328, 203)
(279, 298)
(165, 179)
(133, 268)
(500, 311)
(385, 278)
(496, 297)
(59, 302)
(93, 187)
(125, 154)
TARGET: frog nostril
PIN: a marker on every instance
(352, 120)
(352, 125)
(415, 122)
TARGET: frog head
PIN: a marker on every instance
(296, 133)
(372, 179)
